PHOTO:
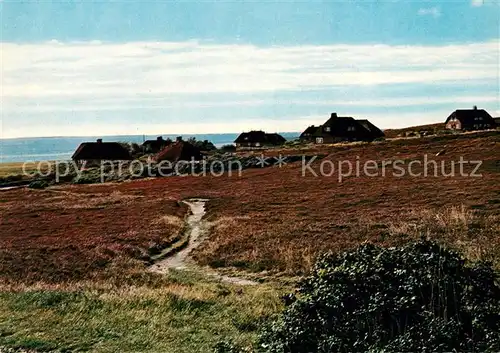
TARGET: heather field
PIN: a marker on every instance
(69, 248)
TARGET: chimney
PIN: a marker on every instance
(334, 115)
(159, 138)
(475, 107)
(178, 139)
(99, 140)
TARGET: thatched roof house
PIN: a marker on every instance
(100, 151)
(337, 129)
(308, 133)
(470, 119)
(179, 151)
(155, 146)
(259, 139)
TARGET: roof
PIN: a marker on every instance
(156, 145)
(260, 137)
(252, 136)
(275, 139)
(341, 126)
(309, 131)
(179, 151)
(467, 116)
(101, 151)
(370, 127)
(158, 140)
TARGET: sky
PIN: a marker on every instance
(76, 68)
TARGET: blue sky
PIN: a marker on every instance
(134, 67)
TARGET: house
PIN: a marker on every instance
(307, 135)
(155, 146)
(470, 119)
(180, 150)
(259, 139)
(497, 121)
(338, 129)
(98, 151)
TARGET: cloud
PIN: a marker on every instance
(477, 3)
(432, 11)
(290, 124)
(58, 88)
(162, 69)
(162, 104)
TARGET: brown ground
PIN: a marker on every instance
(57, 235)
(432, 128)
(268, 219)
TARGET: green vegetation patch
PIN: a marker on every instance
(416, 298)
(184, 315)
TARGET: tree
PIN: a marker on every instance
(204, 145)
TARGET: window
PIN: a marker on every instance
(351, 128)
(327, 128)
(257, 144)
(319, 139)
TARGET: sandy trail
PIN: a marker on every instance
(197, 230)
(194, 228)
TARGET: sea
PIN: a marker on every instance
(28, 149)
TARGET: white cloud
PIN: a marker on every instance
(57, 88)
(155, 69)
(432, 11)
(477, 3)
(157, 103)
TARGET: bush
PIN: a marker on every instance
(228, 346)
(420, 298)
(204, 145)
(228, 148)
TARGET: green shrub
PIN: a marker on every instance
(204, 145)
(419, 298)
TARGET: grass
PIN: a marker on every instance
(268, 219)
(183, 313)
(16, 168)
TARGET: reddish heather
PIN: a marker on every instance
(272, 218)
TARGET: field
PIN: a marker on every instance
(16, 168)
(67, 248)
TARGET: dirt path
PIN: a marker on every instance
(196, 230)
